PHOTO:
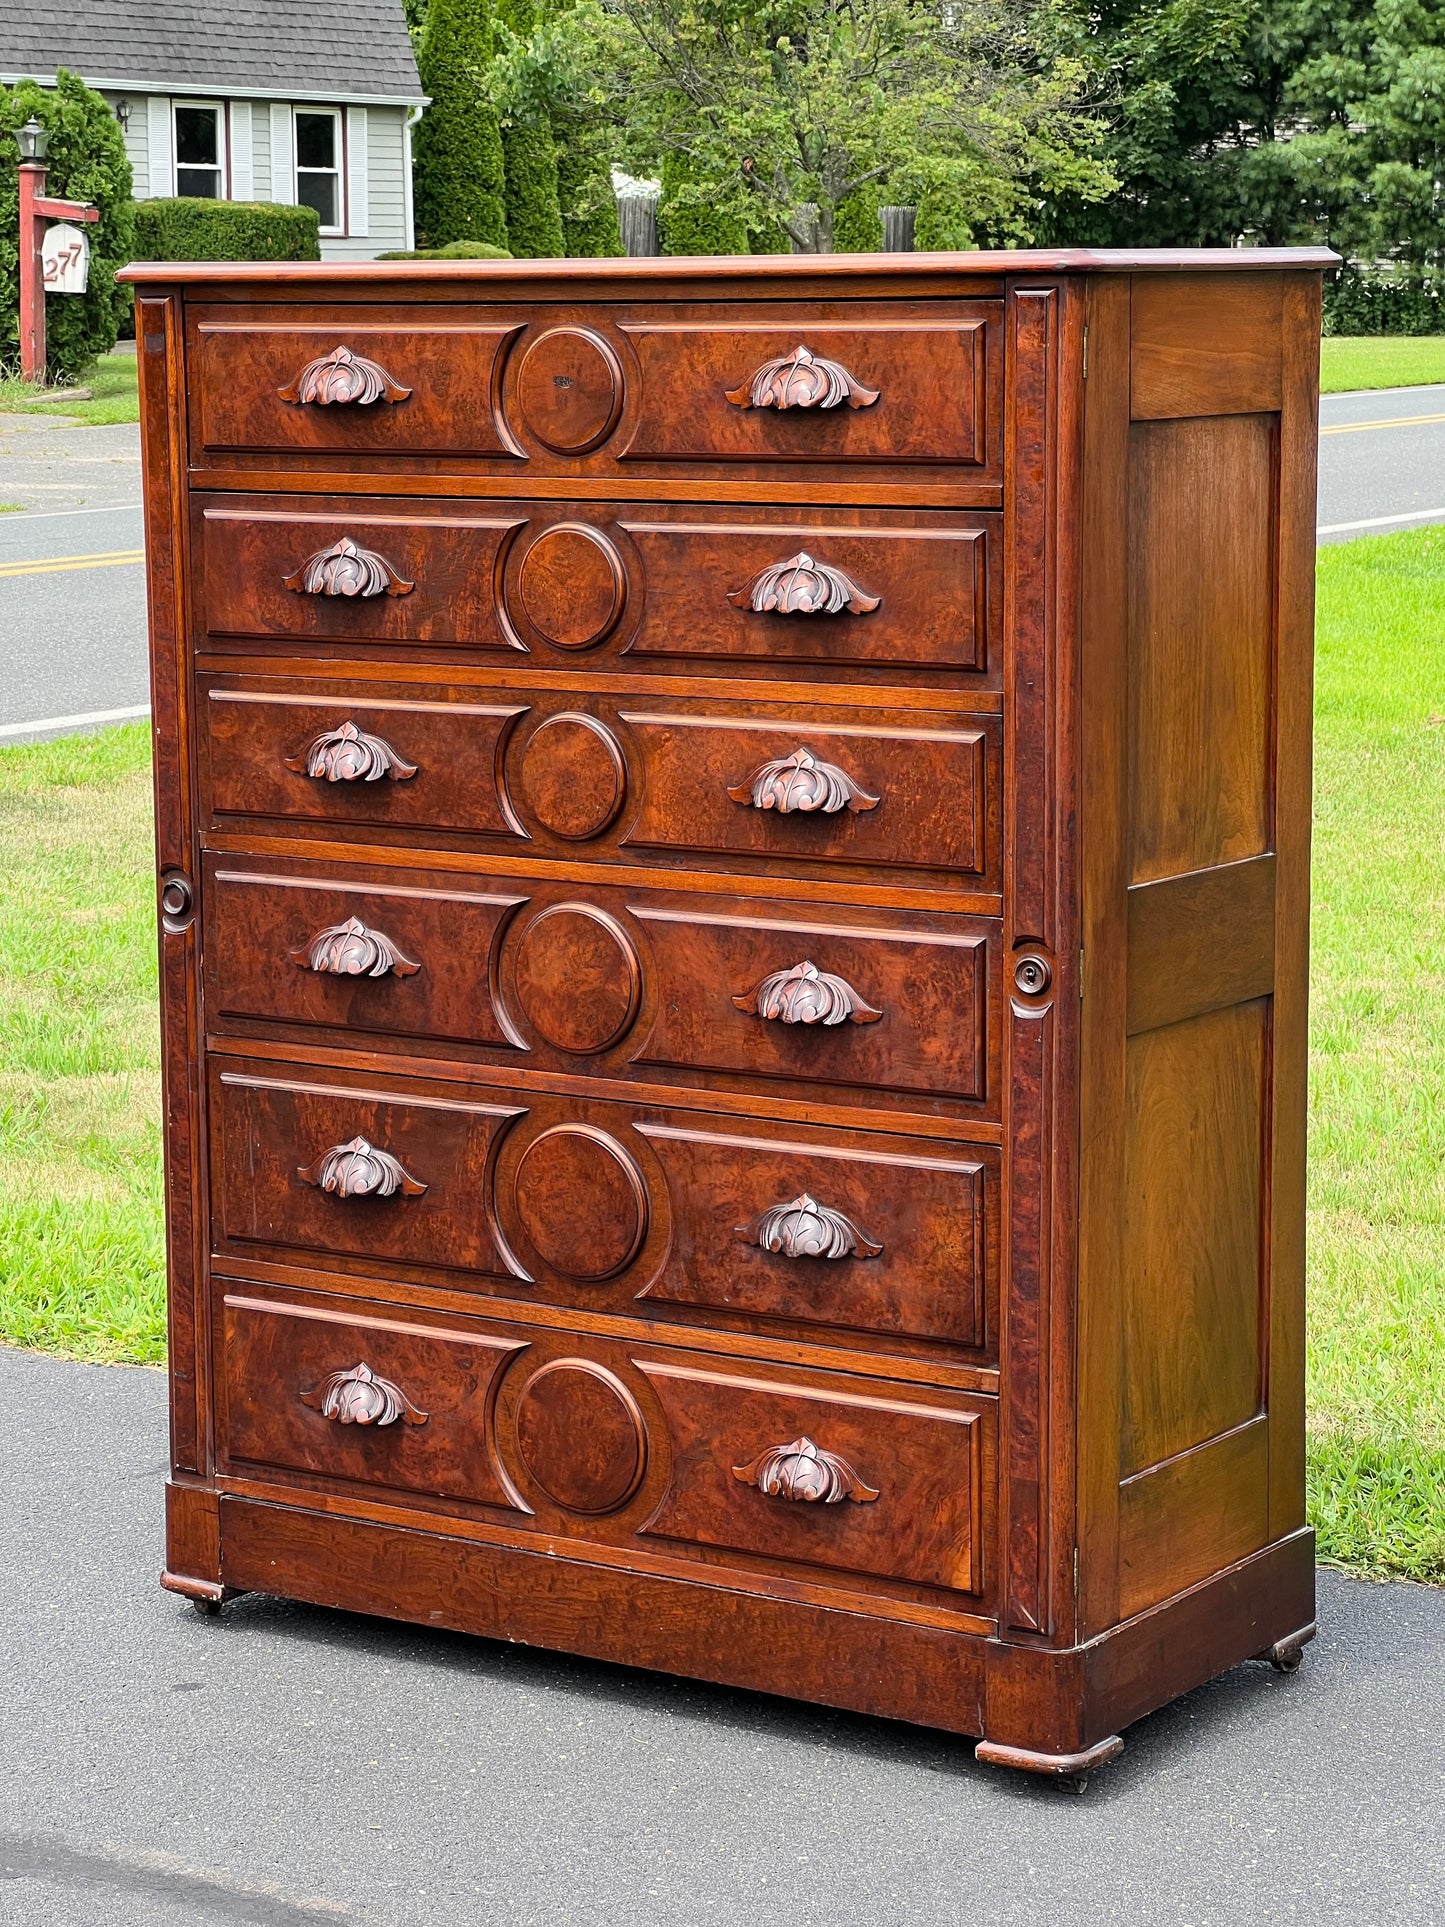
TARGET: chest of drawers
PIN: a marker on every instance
(733, 861)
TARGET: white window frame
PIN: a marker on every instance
(223, 147)
(337, 170)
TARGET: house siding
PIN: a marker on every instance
(385, 167)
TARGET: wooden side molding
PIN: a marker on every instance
(1200, 942)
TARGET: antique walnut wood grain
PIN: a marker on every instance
(1006, 562)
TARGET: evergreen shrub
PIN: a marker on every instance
(458, 170)
(453, 251)
(1377, 304)
(689, 223)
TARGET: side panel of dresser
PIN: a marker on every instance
(192, 1518)
(1197, 622)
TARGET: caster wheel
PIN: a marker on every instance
(207, 1608)
(1287, 1662)
(1075, 1783)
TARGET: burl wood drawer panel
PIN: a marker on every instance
(907, 590)
(784, 788)
(634, 388)
(310, 1390)
(867, 1006)
(657, 1448)
(687, 1218)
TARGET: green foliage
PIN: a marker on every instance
(195, 230)
(590, 226)
(1376, 304)
(768, 107)
(87, 162)
(534, 213)
(453, 251)
(458, 166)
(858, 225)
(689, 218)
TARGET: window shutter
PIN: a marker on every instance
(158, 131)
(243, 169)
(358, 184)
(283, 154)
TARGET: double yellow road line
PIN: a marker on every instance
(57, 564)
(1391, 421)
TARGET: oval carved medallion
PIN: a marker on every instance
(573, 776)
(577, 977)
(581, 1201)
(581, 1436)
(569, 390)
(572, 586)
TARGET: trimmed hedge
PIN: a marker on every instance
(694, 226)
(194, 230)
(87, 162)
(534, 214)
(453, 251)
(1360, 304)
(458, 168)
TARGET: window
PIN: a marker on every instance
(200, 152)
(318, 165)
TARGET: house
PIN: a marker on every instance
(248, 100)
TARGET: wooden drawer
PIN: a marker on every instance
(361, 1400)
(634, 389)
(688, 1218)
(777, 788)
(865, 1006)
(671, 1452)
(911, 590)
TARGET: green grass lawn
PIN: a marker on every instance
(1380, 361)
(80, 1188)
(112, 380)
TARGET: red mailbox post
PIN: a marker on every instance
(35, 211)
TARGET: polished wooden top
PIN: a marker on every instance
(935, 270)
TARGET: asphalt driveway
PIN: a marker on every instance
(285, 1765)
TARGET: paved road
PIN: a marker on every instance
(72, 639)
(285, 1765)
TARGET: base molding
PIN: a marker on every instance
(1057, 1711)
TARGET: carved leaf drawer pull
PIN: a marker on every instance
(359, 1397)
(351, 950)
(359, 1170)
(802, 380)
(806, 995)
(806, 1229)
(349, 755)
(802, 587)
(343, 376)
(801, 782)
(801, 1470)
(346, 569)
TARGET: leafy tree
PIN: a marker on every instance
(459, 172)
(766, 108)
(87, 162)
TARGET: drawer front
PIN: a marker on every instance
(659, 1451)
(771, 388)
(357, 1399)
(243, 380)
(781, 788)
(789, 1470)
(903, 590)
(868, 1006)
(685, 1218)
